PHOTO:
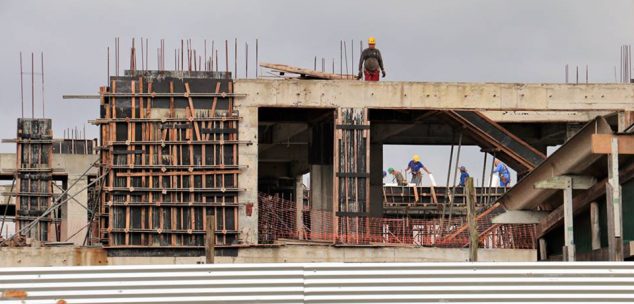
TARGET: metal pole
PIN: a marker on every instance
(226, 56)
(340, 57)
(488, 198)
(453, 190)
(345, 55)
(256, 58)
(42, 62)
(32, 86)
(21, 86)
(484, 166)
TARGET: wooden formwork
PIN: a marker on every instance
(352, 171)
(34, 180)
(169, 146)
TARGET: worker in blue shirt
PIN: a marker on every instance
(503, 173)
(463, 176)
(415, 167)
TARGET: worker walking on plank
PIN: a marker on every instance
(397, 177)
(463, 176)
(503, 173)
(370, 62)
(415, 166)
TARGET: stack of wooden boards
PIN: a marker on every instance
(282, 69)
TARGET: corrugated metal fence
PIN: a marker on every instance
(324, 283)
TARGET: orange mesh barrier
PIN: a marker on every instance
(278, 219)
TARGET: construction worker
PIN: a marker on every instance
(463, 176)
(370, 62)
(415, 166)
(397, 177)
(503, 173)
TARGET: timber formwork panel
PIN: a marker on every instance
(352, 172)
(34, 185)
(169, 146)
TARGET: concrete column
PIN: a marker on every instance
(614, 205)
(248, 177)
(321, 221)
(74, 213)
(569, 241)
(299, 206)
(594, 226)
(543, 249)
(376, 180)
(625, 119)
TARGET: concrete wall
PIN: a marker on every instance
(248, 177)
(69, 256)
(324, 254)
(422, 95)
(321, 191)
(52, 256)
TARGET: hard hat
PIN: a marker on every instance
(416, 157)
(390, 170)
(371, 40)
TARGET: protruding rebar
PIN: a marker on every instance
(21, 86)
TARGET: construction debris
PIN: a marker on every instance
(305, 73)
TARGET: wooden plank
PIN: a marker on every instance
(567, 181)
(601, 143)
(471, 215)
(192, 110)
(305, 73)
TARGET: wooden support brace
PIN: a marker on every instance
(567, 181)
(602, 143)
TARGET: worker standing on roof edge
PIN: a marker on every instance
(503, 173)
(370, 62)
(415, 167)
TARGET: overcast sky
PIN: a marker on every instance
(458, 41)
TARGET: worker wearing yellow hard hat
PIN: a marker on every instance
(416, 168)
(370, 62)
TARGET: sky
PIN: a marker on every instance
(454, 41)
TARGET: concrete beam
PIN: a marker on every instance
(567, 182)
(543, 116)
(520, 217)
(441, 95)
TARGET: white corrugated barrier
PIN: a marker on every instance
(579, 282)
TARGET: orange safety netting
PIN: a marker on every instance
(278, 219)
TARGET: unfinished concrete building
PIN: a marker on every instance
(193, 160)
